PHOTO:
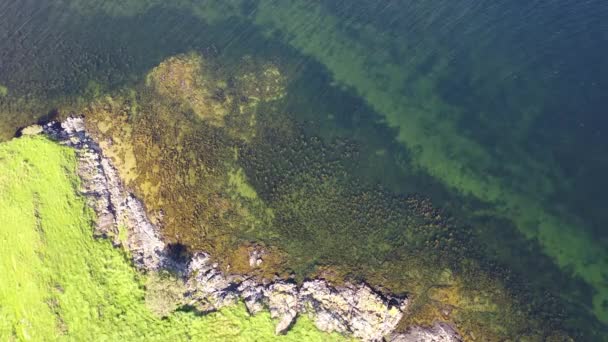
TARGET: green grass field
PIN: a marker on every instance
(59, 283)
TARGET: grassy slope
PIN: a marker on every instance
(58, 283)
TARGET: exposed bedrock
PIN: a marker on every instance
(353, 310)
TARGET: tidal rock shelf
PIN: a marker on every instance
(353, 310)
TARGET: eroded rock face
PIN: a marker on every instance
(354, 310)
(208, 288)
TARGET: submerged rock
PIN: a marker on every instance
(255, 257)
(354, 310)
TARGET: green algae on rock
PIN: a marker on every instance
(59, 283)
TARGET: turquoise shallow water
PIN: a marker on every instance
(495, 111)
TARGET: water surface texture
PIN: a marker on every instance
(410, 144)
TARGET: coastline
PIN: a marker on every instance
(354, 310)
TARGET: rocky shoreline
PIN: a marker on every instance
(352, 310)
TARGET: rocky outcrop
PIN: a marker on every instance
(256, 257)
(120, 216)
(354, 310)
(208, 289)
(282, 299)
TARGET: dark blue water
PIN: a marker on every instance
(495, 111)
